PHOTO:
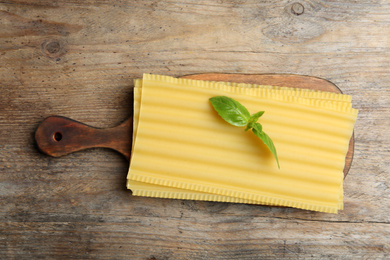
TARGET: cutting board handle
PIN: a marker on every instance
(57, 136)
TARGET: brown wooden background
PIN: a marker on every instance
(78, 59)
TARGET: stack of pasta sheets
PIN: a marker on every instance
(182, 149)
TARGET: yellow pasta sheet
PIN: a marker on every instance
(152, 190)
(186, 151)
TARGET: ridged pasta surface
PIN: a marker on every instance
(182, 149)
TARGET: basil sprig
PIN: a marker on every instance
(236, 114)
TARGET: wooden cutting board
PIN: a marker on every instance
(57, 136)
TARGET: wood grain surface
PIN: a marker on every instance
(78, 59)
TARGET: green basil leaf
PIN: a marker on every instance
(253, 119)
(256, 116)
(249, 126)
(231, 110)
(236, 114)
(257, 130)
(257, 127)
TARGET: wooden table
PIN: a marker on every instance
(78, 59)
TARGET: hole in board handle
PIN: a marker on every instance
(57, 136)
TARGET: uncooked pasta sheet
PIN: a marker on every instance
(182, 149)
